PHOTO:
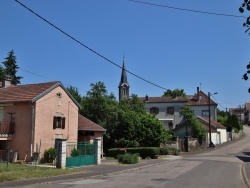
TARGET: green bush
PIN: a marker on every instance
(128, 158)
(75, 152)
(166, 150)
(144, 152)
(49, 155)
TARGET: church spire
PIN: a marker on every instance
(124, 73)
(123, 86)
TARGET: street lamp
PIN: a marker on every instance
(211, 144)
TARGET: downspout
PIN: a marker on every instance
(32, 129)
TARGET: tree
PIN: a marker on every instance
(98, 105)
(198, 130)
(127, 123)
(222, 117)
(229, 123)
(75, 93)
(136, 127)
(246, 6)
(175, 93)
(235, 123)
(10, 68)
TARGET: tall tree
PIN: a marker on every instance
(175, 93)
(11, 68)
(97, 105)
(198, 130)
(136, 127)
(75, 93)
(127, 123)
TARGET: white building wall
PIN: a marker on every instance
(165, 118)
(223, 135)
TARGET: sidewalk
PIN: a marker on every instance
(107, 166)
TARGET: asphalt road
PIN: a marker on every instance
(221, 167)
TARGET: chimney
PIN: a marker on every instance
(6, 82)
(198, 94)
(146, 98)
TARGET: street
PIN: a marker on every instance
(221, 167)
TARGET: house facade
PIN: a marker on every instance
(36, 113)
(166, 109)
(200, 104)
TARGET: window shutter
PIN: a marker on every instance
(63, 123)
(54, 123)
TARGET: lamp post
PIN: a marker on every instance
(211, 144)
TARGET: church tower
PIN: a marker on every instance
(123, 86)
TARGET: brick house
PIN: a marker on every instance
(38, 112)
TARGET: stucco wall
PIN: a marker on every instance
(198, 111)
(45, 110)
(176, 118)
(223, 135)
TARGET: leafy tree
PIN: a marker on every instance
(10, 68)
(246, 6)
(127, 123)
(1, 72)
(175, 93)
(75, 93)
(235, 123)
(136, 127)
(198, 130)
(98, 105)
(222, 117)
(229, 123)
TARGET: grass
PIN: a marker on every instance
(22, 171)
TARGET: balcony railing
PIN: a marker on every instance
(7, 128)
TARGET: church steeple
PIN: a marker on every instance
(123, 86)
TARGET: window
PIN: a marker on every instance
(59, 122)
(154, 110)
(170, 110)
(205, 113)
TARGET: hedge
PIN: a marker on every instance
(144, 152)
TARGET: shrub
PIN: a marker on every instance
(49, 155)
(166, 150)
(143, 152)
(75, 152)
(128, 158)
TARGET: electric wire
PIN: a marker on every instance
(188, 10)
(87, 47)
(218, 103)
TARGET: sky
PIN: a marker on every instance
(172, 48)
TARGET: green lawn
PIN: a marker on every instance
(23, 171)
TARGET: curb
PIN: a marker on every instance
(244, 175)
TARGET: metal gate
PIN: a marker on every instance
(80, 154)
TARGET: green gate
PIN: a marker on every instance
(80, 154)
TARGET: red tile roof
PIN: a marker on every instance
(200, 99)
(23, 93)
(88, 125)
(205, 120)
(163, 99)
(30, 92)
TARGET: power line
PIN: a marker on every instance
(188, 10)
(85, 46)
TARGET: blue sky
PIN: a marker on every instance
(171, 48)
